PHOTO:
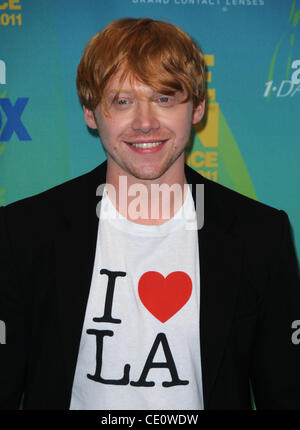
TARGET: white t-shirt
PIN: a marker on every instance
(140, 343)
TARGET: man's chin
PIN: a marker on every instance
(148, 174)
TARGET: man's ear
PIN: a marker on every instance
(89, 118)
(198, 112)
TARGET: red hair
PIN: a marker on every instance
(156, 53)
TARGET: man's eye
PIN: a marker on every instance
(164, 99)
(122, 102)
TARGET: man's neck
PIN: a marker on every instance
(147, 201)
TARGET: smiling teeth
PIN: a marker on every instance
(146, 145)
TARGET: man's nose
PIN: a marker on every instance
(145, 118)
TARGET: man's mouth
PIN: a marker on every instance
(146, 145)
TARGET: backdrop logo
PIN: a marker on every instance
(2, 72)
(2, 144)
(13, 122)
(296, 74)
(225, 4)
(204, 158)
(282, 58)
(9, 13)
(287, 87)
(11, 112)
(213, 150)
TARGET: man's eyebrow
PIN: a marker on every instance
(166, 93)
(116, 91)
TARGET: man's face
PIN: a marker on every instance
(143, 132)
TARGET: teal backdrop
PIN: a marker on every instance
(250, 140)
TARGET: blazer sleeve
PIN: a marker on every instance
(275, 373)
(13, 321)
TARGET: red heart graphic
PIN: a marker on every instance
(163, 297)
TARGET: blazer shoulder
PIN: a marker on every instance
(59, 195)
(231, 199)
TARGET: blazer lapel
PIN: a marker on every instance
(220, 274)
(75, 252)
(220, 254)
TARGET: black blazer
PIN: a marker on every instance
(250, 296)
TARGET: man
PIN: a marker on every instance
(146, 307)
